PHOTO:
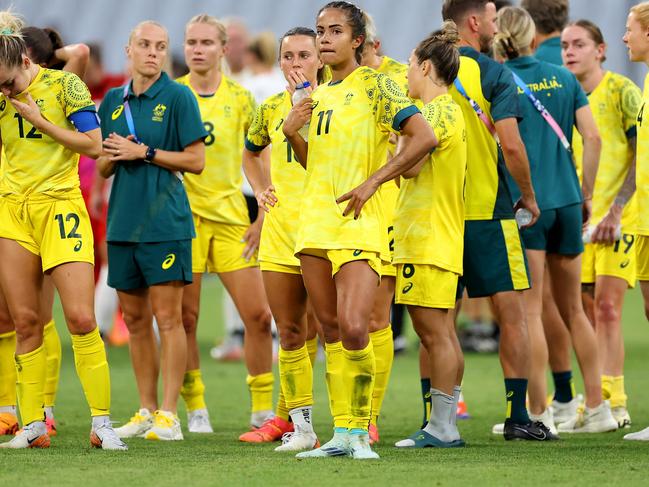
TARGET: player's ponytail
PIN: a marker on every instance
(516, 32)
(440, 49)
(12, 45)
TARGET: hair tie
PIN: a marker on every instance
(6, 32)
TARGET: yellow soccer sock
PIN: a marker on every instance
(261, 391)
(30, 384)
(358, 375)
(7, 369)
(338, 403)
(93, 372)
(618, 395)
(296, 376)
(607, 385)
(384, 355)
(193, 390)
(281, 411)
(52, 344)
(312, 346)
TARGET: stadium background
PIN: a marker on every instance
(401, 24)
(219, 459)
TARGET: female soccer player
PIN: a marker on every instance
(47, 119)
(341, 252)
(226, 243)
(556, 239)
(429, 231)
(153, 133)
(299, 61)
(637, 41)
(608, 263)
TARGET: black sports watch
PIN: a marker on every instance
(150, 154)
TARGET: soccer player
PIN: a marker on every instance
(225, 241)
(608, 262)
(47, 119)
(555, 241)
(153, 133)
(428, 234)
(380, 327)
(486, 93)
(550, 17)
(637, 41)
(299, 61)
(342, 252)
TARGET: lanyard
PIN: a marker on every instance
(544, 113)
(127, 113)
(481, 114)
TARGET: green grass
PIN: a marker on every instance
(219, 459)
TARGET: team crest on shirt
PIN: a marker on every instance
(40, 103)
(348, 98)
(159, 112)
(227, 111)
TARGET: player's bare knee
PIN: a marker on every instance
(81, 322)
(607, 311)
(291, 335)
(190, 320)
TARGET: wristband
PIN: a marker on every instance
(150, 154)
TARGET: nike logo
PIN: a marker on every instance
(334, 452)
(32, 440)
(542, 436)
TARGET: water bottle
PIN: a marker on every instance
(300, 94)
(523, 217)
(588, 234)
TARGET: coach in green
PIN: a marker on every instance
(153, 133)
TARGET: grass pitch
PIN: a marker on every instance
(219, 459)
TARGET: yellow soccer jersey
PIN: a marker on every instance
(348, 138)
(492, 87)
(395, 70)
(215, 194)
(429, 219)
(34, 162)
(287, 175)
(642, 164)
(389, 190)
(614, 103)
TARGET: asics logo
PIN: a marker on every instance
(78, 245)
(117, 112)
(510, 394)
(406, 289)
(427, 395)
(421, 437)
(169, 261)
(357, 252)
(625, 263)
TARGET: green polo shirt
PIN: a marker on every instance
(553, 172)
(550, 51)
(147, 202)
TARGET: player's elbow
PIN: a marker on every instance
(197, 164)
(94, 149)
(593, 140)
(81, 52)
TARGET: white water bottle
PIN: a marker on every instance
(300, 94)
(523, 217)
(588, 234)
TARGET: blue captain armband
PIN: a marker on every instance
(85, 120)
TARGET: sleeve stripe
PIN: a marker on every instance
(402, 115)
(252, 147)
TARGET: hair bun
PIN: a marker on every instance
(448, 33)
